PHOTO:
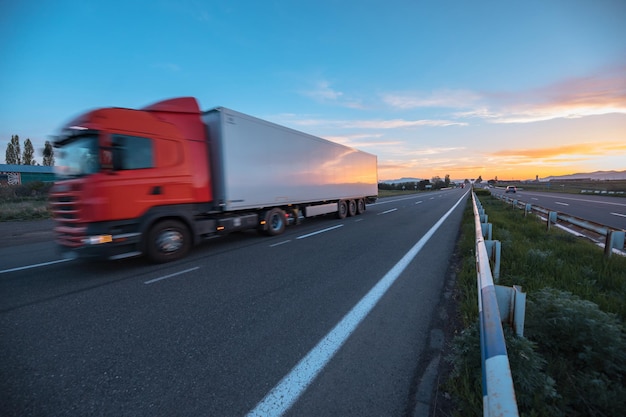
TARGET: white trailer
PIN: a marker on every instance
(259, 164)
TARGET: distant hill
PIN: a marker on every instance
(401, 180)
(598, 175)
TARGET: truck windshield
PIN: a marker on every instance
(77, 156)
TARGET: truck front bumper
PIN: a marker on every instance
(105, 246)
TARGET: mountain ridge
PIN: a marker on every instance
(596, 175)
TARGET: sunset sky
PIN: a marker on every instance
(433, 88)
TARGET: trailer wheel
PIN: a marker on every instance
(342, 209)
(168, 240)
(276, 221)
(351, 208)
(360, 206)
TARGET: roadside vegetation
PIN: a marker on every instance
(615, 188)
(572, 360)
(24, 202)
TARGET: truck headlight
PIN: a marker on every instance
(97, 240)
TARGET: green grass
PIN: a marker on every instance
(615, 187)
(24, 208)
(572, 361)
(391, 193)
(24, 202)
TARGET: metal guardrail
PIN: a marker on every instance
(498, 392)
(613, 238)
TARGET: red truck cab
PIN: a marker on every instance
(117, 170)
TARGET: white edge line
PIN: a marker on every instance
(171, 275)
(35, 266)
(290, 388)
(319, 231)
(619, 214)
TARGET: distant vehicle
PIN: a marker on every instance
(511, 189)
(157, 180)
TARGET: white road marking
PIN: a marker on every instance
(319, 231)
(171, 275)
(280, 399)
(619, 214)
(21, 268)
(562, 204)
(280, 243)
(393, 200)
(388, 211)
(533, 198)
(418, 202)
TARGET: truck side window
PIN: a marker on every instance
(134, 152)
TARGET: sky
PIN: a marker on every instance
(496, 89)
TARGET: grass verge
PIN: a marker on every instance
(572, 360)
(24, 208)
(24, 202)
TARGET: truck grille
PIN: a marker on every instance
(65, 206)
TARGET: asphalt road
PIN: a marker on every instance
(332, 318)
(606, 210)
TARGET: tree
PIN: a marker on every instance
(479, 179)
(447, 180)
(29, 153)
(48, 155)
(437, 182)
(13, 153)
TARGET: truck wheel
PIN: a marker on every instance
(167, 241)
(360, 206)
(351, 208)
(342, 209)
(276, 222)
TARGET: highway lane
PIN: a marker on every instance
(609, 211)
(214, 333)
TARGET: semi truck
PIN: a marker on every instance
(156, 181)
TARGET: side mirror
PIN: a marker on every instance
(111, 158)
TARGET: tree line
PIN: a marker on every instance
(434, 183)
(15, 156)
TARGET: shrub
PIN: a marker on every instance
(534, 389)
(586, 351)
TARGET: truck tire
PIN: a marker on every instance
(360, 206)
(351, 208)
(342, 209)
(168, 240)
(276, 221)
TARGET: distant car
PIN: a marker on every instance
(511, 189)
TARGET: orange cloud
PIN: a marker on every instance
(579, 150)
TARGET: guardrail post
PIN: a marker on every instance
(519, 312)
(528, 209)
(552, 215)
(512, 306)
(494, 249)
(614, 239)
(486, 229)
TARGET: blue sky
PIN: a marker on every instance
(490, 88)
